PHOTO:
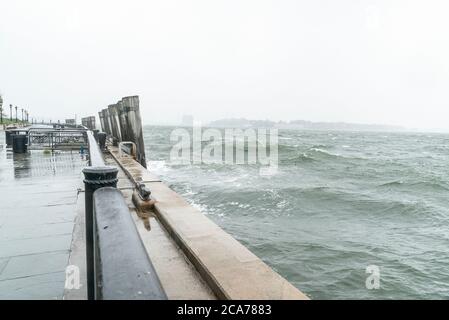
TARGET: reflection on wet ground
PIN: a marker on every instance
(38, 193)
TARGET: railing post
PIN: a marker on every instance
(96, 131)
(94, 178)
(101, 140)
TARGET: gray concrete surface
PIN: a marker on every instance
(38, 194)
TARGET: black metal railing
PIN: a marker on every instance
(95, 155)
(123, 269)
(56, 138)
(109, 276)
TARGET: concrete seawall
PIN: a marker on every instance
(229, 269)
(194, 258)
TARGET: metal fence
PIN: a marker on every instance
(122, 267)
(56, 139)
(118, 266)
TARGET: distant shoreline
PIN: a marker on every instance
(368, 130)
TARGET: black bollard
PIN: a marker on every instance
(96, 131)
(8, 136)
(94, 178)
(102, 140)
(19, 143)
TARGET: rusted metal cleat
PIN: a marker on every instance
(144, 204)
(142, 198)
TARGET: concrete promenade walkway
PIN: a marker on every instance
(38, 194)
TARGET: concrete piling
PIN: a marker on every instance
(122, 122)
(130, 105)
(113, 123)
(106, 122)
(109, 121)
(101, 117)
(123, 119)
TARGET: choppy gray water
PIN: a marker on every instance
(340, 202)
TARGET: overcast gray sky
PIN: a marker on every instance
(383, 61)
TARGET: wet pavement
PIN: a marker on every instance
(38, 193)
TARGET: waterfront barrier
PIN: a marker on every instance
(117, 265)
(122, 267)
(97, 176)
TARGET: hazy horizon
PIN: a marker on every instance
(365, 62)
(388, 128)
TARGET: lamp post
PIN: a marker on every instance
(17, 120)
(22, 115)
(1, 109)
(10, 112)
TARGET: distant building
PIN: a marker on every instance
(187, 120)
(70, 121)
